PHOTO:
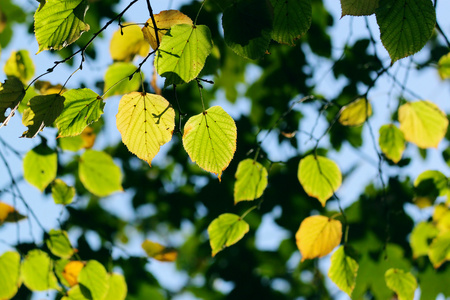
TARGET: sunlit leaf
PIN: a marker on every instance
(420, 238)
(319, 176)
(127, 42)
(117, 288)
(71, 271)
(441, 217)
(428, 186)
(158, 251)
(11, 94)
(40, 166)
(356, 113)
(20, 65)
(318, 236)
(93, 280)
(226, 230)
(358, 7)
(58, 24)
(343, 270)
(146, 122)
(392, 142)
(402, 283)
(9, 274)
(75, 293)
(164, 20)
(117, 81)
(210, 139)
(439, 250)
(9, 214)
(59, 244)
(99, 174)
(62, 193)
(444, 66)
(422, 123)
(251, 180)
(37, 271)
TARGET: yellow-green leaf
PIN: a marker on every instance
(59, 244)
(319, 176)
(358, 7)
(75, 293)
(226, 230)
(251, 181)
(94, 281)
(20, 65)
(117, 287)
(343, 270)
(420, 238)
(428, 186)
(117, 81)
(39, 166)
(9, 214)
(37, 271)
(422, 123)
(62, 193)
(356, 113)
(146, 122)
(444, 66)
(392, 142)
(439, 250)
(402, 283)
(210, 139)
(127, 42)
(9, 274)
(318, 236)
(158, 251)
(11, 94)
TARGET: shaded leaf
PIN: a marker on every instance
(9, 214)
(39, 166)
(127, 42)
(251, 181)
(402, 283)
(355, 113)
(93, 280)
(158, 251)
(11, 94)
(20, 65)
(428, 186)
(37, 271)
(9, 274)
(343, 270)
(226, 230)
(392, 142)
(358, 7)
(62, 193)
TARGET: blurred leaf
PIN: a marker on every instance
(158, 251)
(59, 244)
(251, 181)
(428, 186)
(127, 42)
(355, 113)
(37, 271)
(439, 250)
(117, 81)
(343, 270)
(71, 271)
(402, 283)
(117, 287)
(444, 66)
(9, 214)
(226, 230)
(9, 273)
(39, 166)
(62, 193)
(421, 237)
(93, 281)
(392, 142)
(20, 65)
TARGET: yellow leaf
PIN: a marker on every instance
(71, 271)
(124, 47)
(164, 20)
(88, 136)
(9, 214)
(159, 252)
(422, 123)
(356, 113)
(318, 236)
(146, 122)
(444, 66)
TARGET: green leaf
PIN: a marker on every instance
(9, 274)
(117, 288)
(210, 139)
(58, 24)
(37, 271)
(71, 143)
(75, 293)
(401, 282)
(439, 250)
(94, 281)
(251, 180)
(420, 238)
(115, 84)
(59, 244)
(81, 108)
(434, 282)
(60, 265)
(146, 122)
(405, 26)
(247, 27)
(444, 66)
(226, 230)
(343, 270)
(392, 142)
(99, 174)
(62, 193)
(20, 65)
(355, 113)
(291, 20)
(39, 166)
(42, 111)
(319, 176)
(358, 7)
(183, 52)
(428, 186)
(11, 94)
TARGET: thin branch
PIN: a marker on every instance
(150, 11)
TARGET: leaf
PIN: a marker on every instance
(82, 107)
(146, 122)
(343, 270)
(20, 65)
(251, 181)
(37, 271)
(444, 66)
(422, 123)
(291, 20)
(402, 283)
(158, 251)
(319, 176)
(115, 84)
(117, 288)
(75, 293)
(58, 24)
(9, 214)
(11, 94)
(62, 193)
(439, 250)
(355, 113)
(42, 111)
(434, 282)
(99, 174)
(226, 230)
(420, 237)
(127, 42)
(93, 280)
(210, 139)
(358, 7)
(405, 26)
(318, 236)
(71, 271)
(39, 166)
(164, 21)
(392, 142)
(428, 186)
(9, 274)
(183, 52)
(59, 244)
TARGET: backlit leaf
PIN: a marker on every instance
(158, 251)
(444, 66)
(99, 174)
(146, 122)
(356, 113)
(39, 166)
(183, 52)
(251, 180)
(226, 230)
(358, 7)
(318, 236)
(93, 280)
(62, 193)
(319, 176)
(210, 139)
(117, 287)
(9, 274)
(75, 293)
(37, 271)
(439, 250)
(20, 65)
(58, 24)
(117, 81)
(9, 214)
(420, 238)
(392, 142)
(11, 94)
(428, 186)
(422, 123)
(343, 270)
(71, 271)
(402, 283)
(124, 47)
(405, 25)
(59, 244)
